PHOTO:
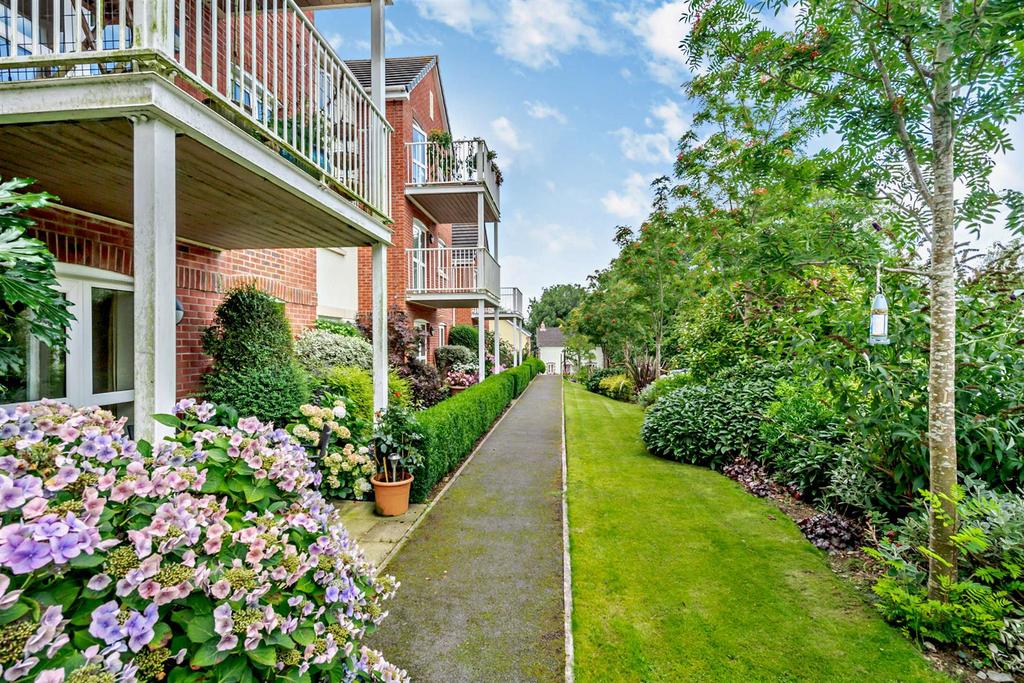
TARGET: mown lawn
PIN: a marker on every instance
(680, 575)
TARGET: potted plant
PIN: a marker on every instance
(397, 454)
(459, 380)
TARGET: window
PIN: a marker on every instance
(419, 255)
(98, 367)
(442, 334)
(248, 92)
(422, 338)
(431, 98)
(442, 272)
(419, 155)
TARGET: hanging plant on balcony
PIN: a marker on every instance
(498, 178)
(441, 155)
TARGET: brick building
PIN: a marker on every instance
(184, 168)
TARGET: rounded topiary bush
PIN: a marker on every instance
(466, 336)
(711, 423)
(320, 350)
(254, 368)
(211, 557)
(269, 392)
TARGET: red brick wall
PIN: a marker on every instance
(401, 114)
(202, 276)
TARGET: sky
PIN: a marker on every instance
(582, 100)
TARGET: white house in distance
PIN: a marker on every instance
(551, 350)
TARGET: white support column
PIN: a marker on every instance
(480, 227)
(497, 336)
(377, 56)
(481, 318)
(379, 322)
(154, 25)
(154, 256)
(519, 354)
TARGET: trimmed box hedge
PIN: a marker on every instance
(451, 428)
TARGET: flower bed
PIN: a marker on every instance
(209, 557)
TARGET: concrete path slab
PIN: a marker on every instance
(377, 536)
(482, 596)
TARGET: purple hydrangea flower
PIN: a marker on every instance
(139, 627)
(105, 625)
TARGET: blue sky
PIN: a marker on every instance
(580, 98)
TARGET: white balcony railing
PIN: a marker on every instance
(261, 63)
(512, 301)
(452, 270)
(452, 163)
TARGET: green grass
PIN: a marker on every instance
(680, 575)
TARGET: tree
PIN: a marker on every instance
(920, 93)
(553, 307)
(579, 350)
(29, 295)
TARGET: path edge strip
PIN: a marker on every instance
(430, 506)
(570, 658)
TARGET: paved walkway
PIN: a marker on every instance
(481, 595)
(377, 536)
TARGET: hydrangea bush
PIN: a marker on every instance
(346, 467)
(211, 557)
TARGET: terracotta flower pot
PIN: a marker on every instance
(391, 497)
(457, 390)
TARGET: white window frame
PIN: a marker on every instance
(442, 334)
(419, 155)
(76, 283)
(422, 339)
(442, 246)
(419, 255)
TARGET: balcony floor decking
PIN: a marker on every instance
(452, 203)
(87, 162)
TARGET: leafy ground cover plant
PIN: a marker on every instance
(320, 350)
(594, 381)
(711, 423)
(342, 327)
(662, 387)
(211, 556)
(985, 598)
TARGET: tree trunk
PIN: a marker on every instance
(942, 359)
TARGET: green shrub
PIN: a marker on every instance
(424, 382)
(988, 590)
(451, 428)
(447, 356)
(619, 387)
(594, 383)
(320, 350)
(711, 423)
(254, 367)
(802, 432)
(662, 387)
(355, 385)
(342, 327)
(466, 336)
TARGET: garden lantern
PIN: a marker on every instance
(879, 328)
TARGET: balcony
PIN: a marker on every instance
(79, 69)
(446, 180)
(453, 277)
(511, 302)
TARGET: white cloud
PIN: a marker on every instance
(540, 110)
(531, 32)
(506, 141)
(396, 37)
(666, 124)
(660, 30)
(558, 239)
(336, 41)
(626, 74)
(462, 15)
(633, 203)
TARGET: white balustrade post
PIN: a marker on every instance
(497, 336)
(379, 323)
(481, 350)
(154, 256)
(377, 60)
(154, 25)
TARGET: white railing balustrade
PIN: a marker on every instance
(261, 62)
(451, 163)
(512, 301)
(453, 270)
